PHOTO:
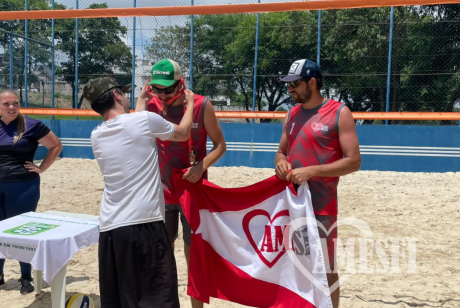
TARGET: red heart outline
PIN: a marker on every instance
(247, 218)
(316, 126)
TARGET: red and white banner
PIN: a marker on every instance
(238, 252)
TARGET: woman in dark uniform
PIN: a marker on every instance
(19, 176)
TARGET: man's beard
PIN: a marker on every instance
(300, 100)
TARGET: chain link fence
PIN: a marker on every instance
(378, 59)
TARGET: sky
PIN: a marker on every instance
(145, 26)
(158, 3)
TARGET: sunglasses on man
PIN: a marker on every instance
(294, 84)
(167, 90)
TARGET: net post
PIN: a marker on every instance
(318, 53)
(11, 61)
(390, 50)
(191, 48)
(133, 79)
(53, 69)
(254, 86)
(76, 61)
(26, 54)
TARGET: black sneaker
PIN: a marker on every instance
(26, 286)
(2, 281)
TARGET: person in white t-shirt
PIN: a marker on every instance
(136, 262)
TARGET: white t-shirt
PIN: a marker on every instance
(126, 151)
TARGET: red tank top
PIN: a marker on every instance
(313, 140)
(175, 155)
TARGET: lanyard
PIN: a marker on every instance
(191, 155)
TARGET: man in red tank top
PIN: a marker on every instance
(167, 100)
(318, 145)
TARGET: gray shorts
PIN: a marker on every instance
(172, 212)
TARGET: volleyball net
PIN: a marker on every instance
(377, 56)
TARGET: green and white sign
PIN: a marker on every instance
(30, 228)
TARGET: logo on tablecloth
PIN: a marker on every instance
(30, 228)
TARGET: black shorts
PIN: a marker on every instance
(137, 268)
(172, 212)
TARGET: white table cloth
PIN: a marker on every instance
(46, 241)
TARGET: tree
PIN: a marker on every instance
(10, 25)
(224, 53)
(172, 42)
(432, 83)
(101, 50)
(38, 55)
(354, 56)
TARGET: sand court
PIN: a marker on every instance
(420, 206)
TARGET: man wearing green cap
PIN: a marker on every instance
(136, 263)
(168, 88)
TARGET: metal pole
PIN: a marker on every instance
(26, 54)
(254, 85)
(318, 55)
(11, 62)
(27, 38)
(191, 50)
(52, 60)
(133, 80)
(76, 61)
(390, 50)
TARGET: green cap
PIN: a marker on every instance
(98, 86)
(165, 73)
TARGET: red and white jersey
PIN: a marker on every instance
(313, 139)
(175, 155)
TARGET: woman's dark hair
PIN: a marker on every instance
(106, 101)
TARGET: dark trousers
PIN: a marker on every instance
(17, 198)
(137, 268)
